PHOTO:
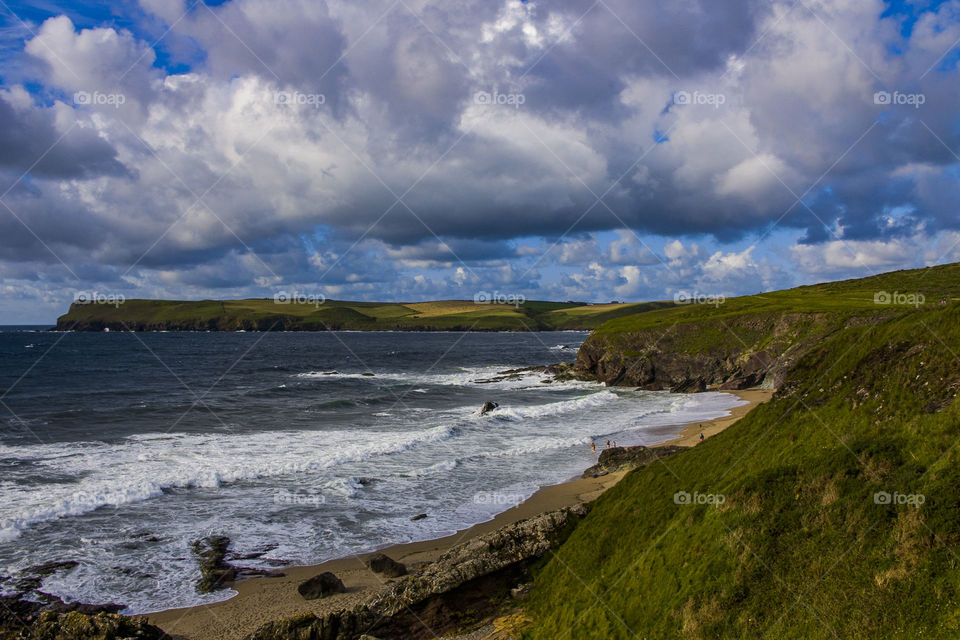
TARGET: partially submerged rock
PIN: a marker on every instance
(384, 564)
(321, 586)
(215, 571)
(487, 407)
(626, 458)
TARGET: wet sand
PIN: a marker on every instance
(261, 600)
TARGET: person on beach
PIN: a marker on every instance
(701, 436)
(608, 444)
(593, 446)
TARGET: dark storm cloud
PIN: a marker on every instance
(30, 141)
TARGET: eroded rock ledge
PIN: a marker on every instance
(506, 551)
(626, 458)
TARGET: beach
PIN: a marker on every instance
(260, 600)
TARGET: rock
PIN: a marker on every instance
(625, 458)
(691, 385)
(367, 374)
(215, 572)
(381, 563)
(515, 545)
(419, 516)
(49, 568)
(520, 542)
(521, 591)
(321, 586)
(74, 625)
(488, 407)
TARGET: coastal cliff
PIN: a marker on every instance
(725, 353)
(829, 511)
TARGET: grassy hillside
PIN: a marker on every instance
(833, 511)
(266, 314)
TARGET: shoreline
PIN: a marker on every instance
(263, 599)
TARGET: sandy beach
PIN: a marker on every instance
(260, 600)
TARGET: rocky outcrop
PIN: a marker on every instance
(749, 350)
(626, 458)
(27, 611)
(518, 542)
(560, 372)
(215, 572)
(503, 550)
(79, 626)
(46, 617)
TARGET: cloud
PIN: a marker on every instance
(50, 143)
(430, 139)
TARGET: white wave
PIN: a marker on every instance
(143, 467)
(466, 376)
(555, 408)
(443, 466)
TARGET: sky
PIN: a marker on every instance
(411, 150)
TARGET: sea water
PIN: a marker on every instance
(118, 449)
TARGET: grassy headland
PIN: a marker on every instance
(268, 314)
(832, 511)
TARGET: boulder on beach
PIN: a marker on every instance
(487, 407)
(321, 586)
(419, 516)
(384, 564)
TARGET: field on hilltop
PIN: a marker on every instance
(299, 314)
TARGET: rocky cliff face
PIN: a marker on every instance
(723, 353)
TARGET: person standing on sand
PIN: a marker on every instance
(701, 436)
(608, 444)
(593, 446)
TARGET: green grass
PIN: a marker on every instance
(264, 314)
(799, 548)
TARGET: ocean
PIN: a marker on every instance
(118, 449)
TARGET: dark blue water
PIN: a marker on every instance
(118, 449)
